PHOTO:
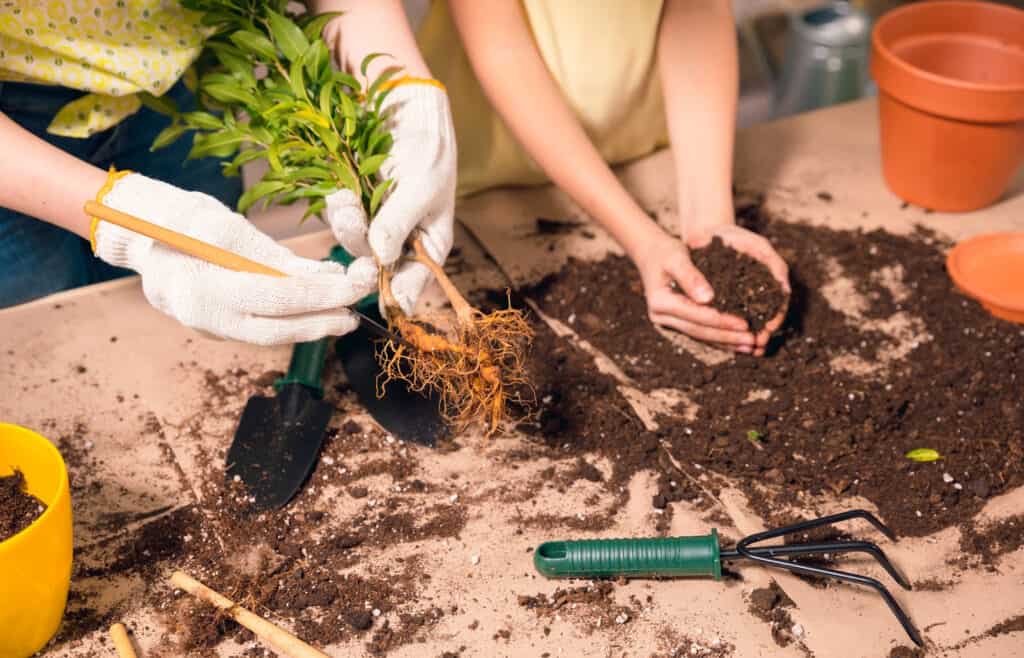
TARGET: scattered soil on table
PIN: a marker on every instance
(675, 645)
(906, 652)
(592, 604)
(743, 285)
(992, 540)
(18, 508)
(771, 604)
(933, 370)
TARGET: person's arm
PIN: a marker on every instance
(41, 181)
(699, 70)
(500, 47)
(371, 26)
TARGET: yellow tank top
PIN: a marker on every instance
(113, 49)
(601, 54)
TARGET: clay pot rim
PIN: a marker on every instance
(882, 49)
(970, 286)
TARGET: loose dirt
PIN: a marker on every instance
(18, 508)
(934, 371)
(743, 285)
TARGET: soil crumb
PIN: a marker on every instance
(593, 604)
(18, 508)
(771, 604)
(743, 285)
(992, 540)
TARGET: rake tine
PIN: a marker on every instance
(826, 547)
(796, 567)
(823, 521)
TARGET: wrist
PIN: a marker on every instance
(641, 239)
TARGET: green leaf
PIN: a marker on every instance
(753, 435)
(379, 143)
(378, 196)
(347, 80)
(370, 165)
(295, 79)
(314, 208)
(279, 108)
(350, 127)
(348, 108)
(318, 173)
(244, 156)
(923, 455)
(313, 27)
(234, 60)
(160, 104)
(254, 43)
(287, 35)
(168, 135)
(369, 58)
(220, 144)
(229, 93)
(325, 98)
(315, 59)
(386, 75)
(346, 177)
(257, 192)
(328, 137)
(202, 120)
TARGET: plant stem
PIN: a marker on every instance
(463, 310)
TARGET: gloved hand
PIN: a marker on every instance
(422, 164)
(266, 310)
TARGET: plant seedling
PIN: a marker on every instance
(269, 92)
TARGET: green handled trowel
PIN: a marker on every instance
(278, 440)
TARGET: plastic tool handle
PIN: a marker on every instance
(608, 558)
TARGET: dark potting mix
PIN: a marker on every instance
(786, 429)
(743, 286)
(18, 508)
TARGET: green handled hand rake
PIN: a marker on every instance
(703, 556)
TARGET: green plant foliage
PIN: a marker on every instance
(923, 455)
(268, 91)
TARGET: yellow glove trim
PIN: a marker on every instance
(410, 80)
(112, 177)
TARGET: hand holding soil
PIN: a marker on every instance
(749, 278)
(734, 296)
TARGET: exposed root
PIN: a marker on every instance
(474, 371)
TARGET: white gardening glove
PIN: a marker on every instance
(307, 305)
(422, 164)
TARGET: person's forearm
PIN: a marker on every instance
(513, 75)
(40, 180)
(697, 63)
(371, 26)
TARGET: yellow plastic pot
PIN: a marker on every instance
(35, 564)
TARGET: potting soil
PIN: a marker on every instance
(18, 508)
(743, 286)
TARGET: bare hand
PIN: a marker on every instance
(667, 271)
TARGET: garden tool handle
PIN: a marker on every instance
(609, 558)
(122, 643)
(280, 639)
(183, 243)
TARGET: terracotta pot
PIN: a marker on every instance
(951, 101)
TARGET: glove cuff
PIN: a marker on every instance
(137, 195)
(113, 175)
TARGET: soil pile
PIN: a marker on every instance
(743, 285)
(18, 508)
(930, 369)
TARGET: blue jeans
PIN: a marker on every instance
(37, 258)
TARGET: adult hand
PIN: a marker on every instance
(422, 166)
(678, 294)
(307, 305)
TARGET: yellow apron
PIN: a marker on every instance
(603, 56)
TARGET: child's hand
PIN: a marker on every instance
(678, 294)
(755, 246)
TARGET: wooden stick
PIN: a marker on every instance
(183, 243)
(277, 637)
(123, 644)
